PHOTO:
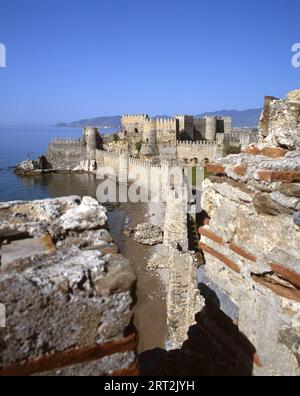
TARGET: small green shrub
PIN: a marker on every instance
(228, 149)
(138, 146)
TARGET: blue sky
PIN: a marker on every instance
(72, 59)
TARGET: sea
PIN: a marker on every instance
(20, 143)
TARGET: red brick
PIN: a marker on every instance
(52, 361)
(210, 235)
(240, 170)
(272, 152)
(257, 361)
(227, 261)
(286, 273)
(232, 246)
(242, 252)
(278, 176)
(217, 169)
(282, 291)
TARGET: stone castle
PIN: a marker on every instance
(184, 138)
(180, 137)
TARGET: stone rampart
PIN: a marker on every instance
(200, 150)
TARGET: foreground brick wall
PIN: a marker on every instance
(250, 245)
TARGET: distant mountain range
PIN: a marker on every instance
(243, 118)
(240, 118)
(101, 122)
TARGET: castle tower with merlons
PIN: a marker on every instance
(149, 147)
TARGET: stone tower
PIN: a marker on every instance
(91, 138)
(211, 128)
(149, 147)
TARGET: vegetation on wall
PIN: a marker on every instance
(116, 137)
(229, 149)
(138, 146)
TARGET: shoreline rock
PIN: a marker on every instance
(148, 234)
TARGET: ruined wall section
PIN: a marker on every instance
(74, 154)
(183, 299)
(68, 293)
(250, 240)
(280, 122)
(264, 122)
(65, 154)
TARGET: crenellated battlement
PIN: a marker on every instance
(134, 117)
(142, 164)
(199, 143)
(241, 136)
(150, 124)
(66, 141)
(167, 123)
(208, 118)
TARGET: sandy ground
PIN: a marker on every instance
(150, 312)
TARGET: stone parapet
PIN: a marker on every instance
(68, 293)
(250, 242)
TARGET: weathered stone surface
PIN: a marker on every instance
(29, 166)
(265, 117)
(123, 363)
(254, 228)
(273, 152)
(217, 296)
(89, 215)
(266, 204)
(60, 292)
(26, 248)
(280, 124)
(290, 190)
(294, 96)
(148, 234)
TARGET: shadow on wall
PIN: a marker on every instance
(215, 347)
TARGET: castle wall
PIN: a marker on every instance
(65, 154)
(134, 126)
(109, 160)
(167, 130)
(74, 154)
(167, 151)
(241, 137)
(200, 128)
(132, 122)
(200, 150)
(186, 127)
(211, 128)
(227, 122)
(149, 145)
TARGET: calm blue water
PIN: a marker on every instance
(17, 144)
